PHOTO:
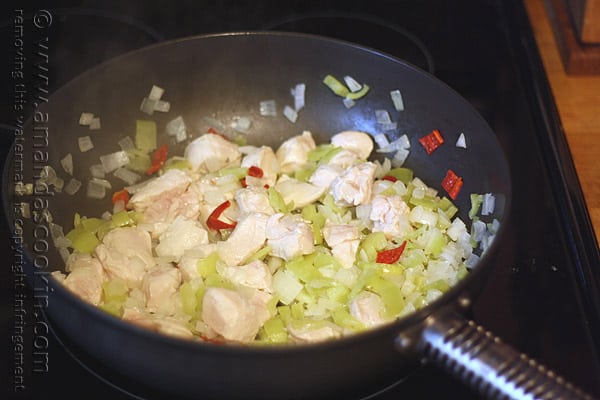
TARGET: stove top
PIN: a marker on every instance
(543, 295)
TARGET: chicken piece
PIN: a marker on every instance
(357, 142)
(252, 200)
(344, 241)
(293, 153)
(181, 235)
(354, 185)
(160, 285)
(211, 152)
(85, 278)
(126, 253)
(246, 239)
(168, 326)
(344, 159)
(390, 216)
(289, 236)
(297, 192)
(325, 174)
(314, 334)
(254, 275)
(232, 315)
(264, 158)
(172, 183)
(188, 264)
(366, 307)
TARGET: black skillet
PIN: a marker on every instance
(221, 77)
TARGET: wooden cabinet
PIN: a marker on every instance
(586, 18)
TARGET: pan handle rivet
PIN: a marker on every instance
(464, 302)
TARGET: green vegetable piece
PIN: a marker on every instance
(276, 201)
(359, 94)
(178, 163)
(239, 172)
(139, 161)
(84, 241)
(405, 175)
(476, 201)
(189, 301)
(323, 152)
(274, 331)
(336, 86)
(390, 294)
(343, 318)
(145, 135)
(115, 290)
(91, 224)
(259, 255)
(208, 266)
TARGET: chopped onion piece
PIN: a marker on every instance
(381, 140)
(48, 175)
(290, 114)
(401, 143)
(162, 106)
(461, 141)
(72, 186)
(382, 117)
(137, 187)
(95, 124)
(85, 143)
(126, 143)
(127, 176)
(86, 118)
(478, 230)
(400, 157)
(390, 126)
(489, 202)
(494, 226)
(25, 210)
(97, 171)
(58, 183)
(96, 190)
(397, 100)
(106, 215)
(156, 93)
(348, 102)
(472, 260)
(298, 93)
(241, 124)
(176, 126)
(102, 182)
(268, 108)
(112, 161)
(67, 163)
(352, 84)
(147, 106)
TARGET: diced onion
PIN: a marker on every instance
(112, 161)
(461, 141)
(382, 117)
(478, 230)
(102, 182)
(96, 190)
(147, 106)
(86, 118)
(268, 108)
(400, 157)
(127, 176)
(389, 126)
(67, 163)
(156, 93)
(298, 93)
(72, 186)
(401, 143)
(381, 140)
(241, 124)
(85, 143)
(352, 84)
(95, 124)
(58, 183)
(348, 102)
(181, 136)
(97, 171)
(489, 202)
(126, 143)
(162, 106)
(397, 100)
(175, 126)
(290, 114)
(25, 210)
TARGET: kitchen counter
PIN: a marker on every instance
(577, 98)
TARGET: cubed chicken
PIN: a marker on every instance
(256, 275)
(181, 235)
(253, 200)
(167, 325)
(390, 215)
(211, 152)
(343, 240)
(357, 142)
(188, 264)
(325, 174)
(311, 334)
(297, 192)
(344, 159)
(85, 278)
(160, 286)
(232, 315)
(264, 158)
(246, 239)
(126, 253)
(293, 153)
(366, 307)
(354, 185)
(289, 236)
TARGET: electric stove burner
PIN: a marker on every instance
(371, 31)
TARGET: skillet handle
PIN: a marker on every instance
(494, 369)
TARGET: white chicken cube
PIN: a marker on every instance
(160, 285)
(344, 158)
(293, 153)
(181, 235)
(325, 174)
(390, 215)
(252, 200)
(126, 253)
(255, 275)
(188, 264)
(357, 142)
(211, 152)
(366, 307)
(289, 236)
(353, 187)
(246, 239)
(343, 240)
(314, 334)
(85, 278)
(264, 158)
(172, 183)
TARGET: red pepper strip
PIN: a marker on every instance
(255, 172)
(213, 221)
(213, 131)
(392, 255)
(243, 182)
(158, 159)
(432, 141)
(452, 184)
(121, 195)
(389, 178)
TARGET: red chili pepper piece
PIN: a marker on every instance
(389, 178)
(392, 255)
(213, 221)
(213, 131)
(243, 182)
(452, 184)
(432, 141)
(121, 195)
(158, 159)
(255, 171)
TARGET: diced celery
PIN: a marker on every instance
(91, 224)
(112, 307)
(305, 172)
(297, 310)
(368, 271)
(83, 241)
(208, 266)
(405, 175)
(303, 268)
(274, 331)
(139, 160)
(428, 202)
(323, 152)
(260, 254)
(476, 200)
(373, 243)
(440, 285)
(435, 243)
(177, 164)
(343, 318)
(285, 313)
(188, 299)
(115, 290)
(145, 135)
(338, 293)
(238, 172)
(276, 201)
(413, 257)
(329, 202)
(122, 218)
(390, 294)
(336, 86)
(286, 285)
(216, 280)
